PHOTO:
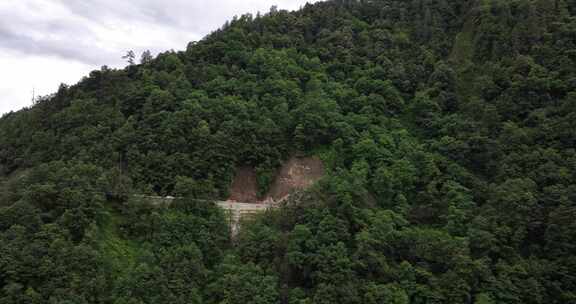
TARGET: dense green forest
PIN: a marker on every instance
(447, 127)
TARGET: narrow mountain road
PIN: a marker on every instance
(235, 211)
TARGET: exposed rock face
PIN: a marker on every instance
(295, 174)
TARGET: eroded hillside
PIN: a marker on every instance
(297, 173)
(446, 129)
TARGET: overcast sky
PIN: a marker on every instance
(47, 42)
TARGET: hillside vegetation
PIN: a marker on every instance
(447, 129)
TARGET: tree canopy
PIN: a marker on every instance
(447, 128)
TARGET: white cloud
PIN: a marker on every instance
(20, 76)
(47, 42)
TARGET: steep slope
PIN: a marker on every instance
(446, 129)
(298, 173)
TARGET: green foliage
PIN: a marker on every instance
(447, 129)
(243, 283)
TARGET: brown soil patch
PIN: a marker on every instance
(244, 187)
(297, 173)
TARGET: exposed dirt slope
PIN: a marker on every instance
(244, 187)
(296, 173)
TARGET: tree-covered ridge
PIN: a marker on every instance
(447, 127)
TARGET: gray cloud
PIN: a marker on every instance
(52, 39)
(198, 16)
(72, 35)
(145, 10)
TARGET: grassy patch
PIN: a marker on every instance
(120, 252)
(9, 186)
(462, 56)
(464, 45)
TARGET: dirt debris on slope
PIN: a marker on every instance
(244, 187)
(296, 173)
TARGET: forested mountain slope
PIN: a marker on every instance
(447, 129)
